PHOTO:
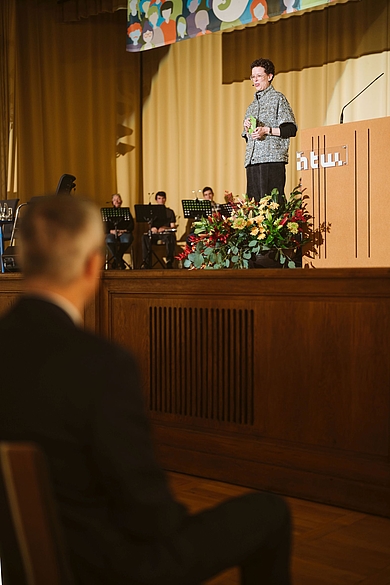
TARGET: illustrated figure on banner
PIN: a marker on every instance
(168, 26)
(289, 6)
(258, 10)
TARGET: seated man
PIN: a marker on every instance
(119, 237)
(208, 193)
(165, 231)
(80, 398)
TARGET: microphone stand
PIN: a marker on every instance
(356, 96)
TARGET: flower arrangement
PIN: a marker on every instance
(274, 223)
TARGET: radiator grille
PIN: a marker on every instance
(201, 363)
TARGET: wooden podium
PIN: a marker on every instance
(344, 169)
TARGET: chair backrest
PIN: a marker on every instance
(31, 544)
(66, 184)
(7, 228)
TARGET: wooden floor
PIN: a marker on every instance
(331, 545)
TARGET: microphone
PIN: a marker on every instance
(356, 96)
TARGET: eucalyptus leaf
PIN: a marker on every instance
(199, 261)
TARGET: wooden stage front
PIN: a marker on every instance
(272, 379)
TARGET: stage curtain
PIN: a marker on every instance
(71, 10)
(80, 96)
(7, 100)
(315, 39)
(78, 104)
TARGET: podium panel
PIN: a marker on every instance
(344, 169)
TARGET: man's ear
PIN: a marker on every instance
(94, 263)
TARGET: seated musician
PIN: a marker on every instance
(165, 232)
(208, 193)
(120, 237)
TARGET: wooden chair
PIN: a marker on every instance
(31, 545)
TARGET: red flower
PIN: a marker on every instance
(298, 216)
(284, 220)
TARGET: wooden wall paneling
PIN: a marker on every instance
(352, 198)
(11, 286)
(192, 360)
(282, 383)
(273, 379)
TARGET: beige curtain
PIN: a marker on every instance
(316, 38)
(7, 100)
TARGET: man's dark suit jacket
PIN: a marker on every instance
(78, 397)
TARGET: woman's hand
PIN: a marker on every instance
(260, 132)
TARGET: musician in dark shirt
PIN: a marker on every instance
(160, 230)
(208, 193)
(119, 237)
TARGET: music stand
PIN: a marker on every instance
(117, 216)
(151, 214)
(196, 208)
(226, 209)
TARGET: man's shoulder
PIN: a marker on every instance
(31, 319)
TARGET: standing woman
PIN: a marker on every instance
(268, 125)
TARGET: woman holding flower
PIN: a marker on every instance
(268, 125)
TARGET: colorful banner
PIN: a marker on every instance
(154, 23)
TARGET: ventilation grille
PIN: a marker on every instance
(201, 363)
